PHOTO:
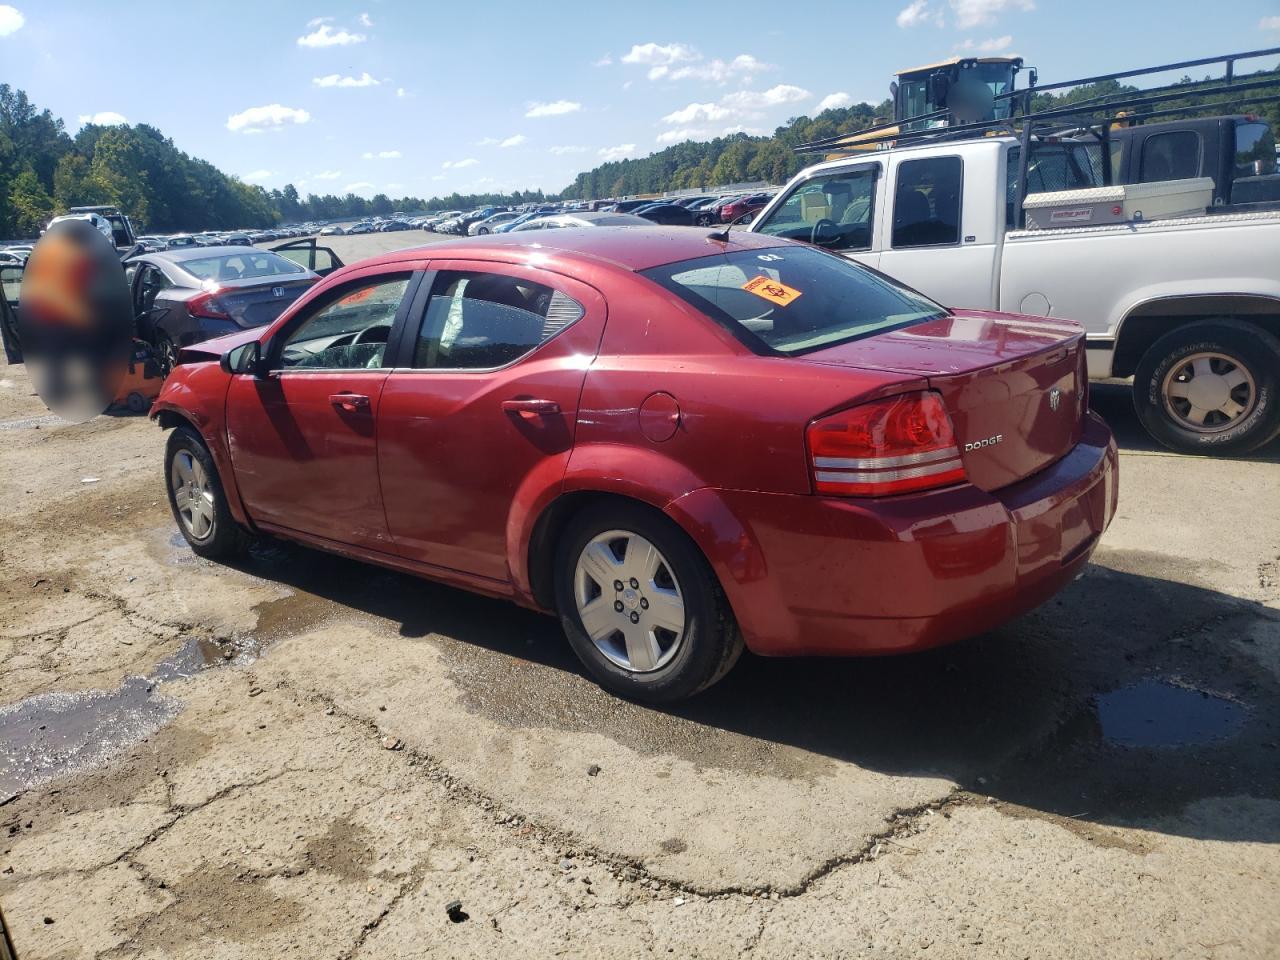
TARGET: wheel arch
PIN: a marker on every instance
(1145, 322)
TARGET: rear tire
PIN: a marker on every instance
(680, 585)
(196, 498)
(1211, 388)
(166, 353)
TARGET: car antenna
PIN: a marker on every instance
(720, 236)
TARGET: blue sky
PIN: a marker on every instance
(429, 97)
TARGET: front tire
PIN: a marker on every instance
(1211, 387)
(196, 497)
(641, 606)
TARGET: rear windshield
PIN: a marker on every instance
(240, 266)
(793, 299)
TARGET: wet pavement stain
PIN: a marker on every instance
(1155, 713)
(50, 735)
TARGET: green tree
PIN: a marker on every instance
(30, 204)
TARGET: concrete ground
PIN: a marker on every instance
(303, 756)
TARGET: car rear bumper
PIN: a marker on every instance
(820, 576)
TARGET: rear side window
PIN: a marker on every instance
(793, 299)
(926, 203)
(834, 211)
(1170, 156)
(477, 321)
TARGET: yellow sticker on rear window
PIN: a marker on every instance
(775, 291)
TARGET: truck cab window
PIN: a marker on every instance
(1170, 156)
(926, 203)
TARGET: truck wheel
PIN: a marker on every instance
(641, 606)
(1211, 387)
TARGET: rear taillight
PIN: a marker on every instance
(206, 305)
(898, 445)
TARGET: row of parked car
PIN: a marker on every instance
(695, 211)
(235, 238)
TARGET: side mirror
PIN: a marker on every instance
(245, 358)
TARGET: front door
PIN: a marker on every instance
(486, 394)
(303, 437)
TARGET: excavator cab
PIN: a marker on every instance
(965, 87)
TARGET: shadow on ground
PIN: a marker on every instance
(1012, 714)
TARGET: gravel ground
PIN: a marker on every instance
(303, 756)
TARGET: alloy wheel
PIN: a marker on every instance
(629, 601)
(1208, 392)
(191, 494)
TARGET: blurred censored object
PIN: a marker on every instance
(76, 321)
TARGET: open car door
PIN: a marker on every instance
(305, 253)
(10, 283)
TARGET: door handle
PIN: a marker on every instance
(350, 402)
(531, 408)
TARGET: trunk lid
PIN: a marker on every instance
(1015, 387)
(257, 302)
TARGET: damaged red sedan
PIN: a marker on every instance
(679, 443)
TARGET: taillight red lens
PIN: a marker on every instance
(898, 445)
(207, 305)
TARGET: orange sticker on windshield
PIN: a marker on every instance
(774, 291)
(359, 296)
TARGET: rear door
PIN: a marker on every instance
(940, 235)
(485, 393)
(305, 253)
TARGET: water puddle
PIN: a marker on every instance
(1154, 713)
(53, 734)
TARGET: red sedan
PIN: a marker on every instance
(679, 444)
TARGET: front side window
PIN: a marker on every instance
(1170, 156)
(793, 299)
(349, 332)
(1255, 150)
(478, 321)
(926, 203)
(834, 211)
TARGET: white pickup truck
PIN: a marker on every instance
(1189, 306)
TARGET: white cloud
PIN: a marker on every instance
(616, 153)
(738, 106)
(325, 36)
(991, 45)
(834, 101)
(382, 155)
(328, 175)
(605, 61)
(560, 151)
(514, 141)
(1266, 23)
(918, 12)
(974, 13)
(257, 175)
(401, 92)
(719, 71)
(438, 176)
(11, 19)
(357, 187)
(659, 55)
(553, 109)
(697, 111)
(271, 117)
(104, 118)
(316, 21)
(337, 80)
(365, 21)
(394, 186)
(459, 164)
(681, 134)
